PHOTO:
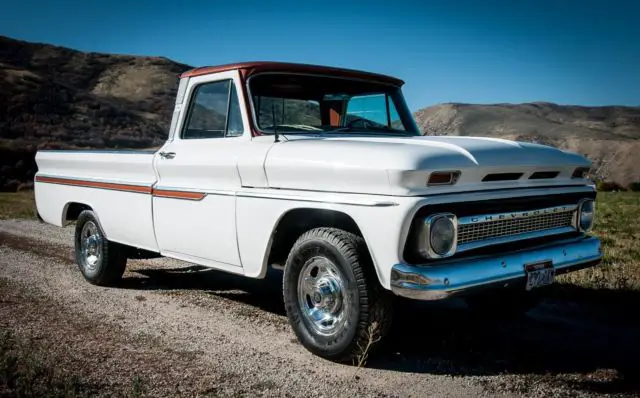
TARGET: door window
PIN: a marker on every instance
(214, 112)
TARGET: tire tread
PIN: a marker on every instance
(114, 259)
(375, 301)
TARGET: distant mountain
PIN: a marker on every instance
(608, 135)
(55, 97)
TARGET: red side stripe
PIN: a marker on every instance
(162, 193)
(95, 184)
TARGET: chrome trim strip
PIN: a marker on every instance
(464, 276)
(280, 196)
(558, 187)
(488, 218)
(299, 198)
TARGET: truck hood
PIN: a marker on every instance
(401, 165)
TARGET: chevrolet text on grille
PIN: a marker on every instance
(514, 215)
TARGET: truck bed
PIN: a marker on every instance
(116, 184)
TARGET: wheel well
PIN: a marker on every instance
(295, 222)
(73, 210)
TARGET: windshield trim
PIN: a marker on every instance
(253, 120)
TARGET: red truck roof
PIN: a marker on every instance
(249, 68)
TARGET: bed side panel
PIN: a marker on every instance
(116, 185)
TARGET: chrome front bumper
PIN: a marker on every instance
(467, 275)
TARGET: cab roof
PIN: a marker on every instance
(249, 68)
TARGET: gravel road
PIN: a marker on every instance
(181, 329)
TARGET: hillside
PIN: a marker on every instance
(54, 97)
(609, 136)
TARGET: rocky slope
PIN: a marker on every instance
(609, 135)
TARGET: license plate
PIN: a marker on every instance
(539, 274)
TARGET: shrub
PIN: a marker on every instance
(10, 186)
(635, 186)
(609, 186)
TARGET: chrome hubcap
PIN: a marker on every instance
(90, 245)
(321, 295)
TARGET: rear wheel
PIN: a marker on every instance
(101, 262)
(332, 297)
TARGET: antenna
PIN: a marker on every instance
(275, 125)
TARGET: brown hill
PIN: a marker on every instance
(57, 97)
(608, 135)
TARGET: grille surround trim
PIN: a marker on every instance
(490, 229)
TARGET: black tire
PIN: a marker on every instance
(502, 304)
(109, 264)
(367, 306)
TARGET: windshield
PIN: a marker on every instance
(302, 103)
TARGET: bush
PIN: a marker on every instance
(634, 186)
(10, 186)
(609, 186)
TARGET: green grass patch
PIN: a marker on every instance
(618, 226)
(17, 205)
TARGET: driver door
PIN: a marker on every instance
(194, 200)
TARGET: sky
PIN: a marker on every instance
(473, 51)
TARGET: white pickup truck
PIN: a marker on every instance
(323, 173)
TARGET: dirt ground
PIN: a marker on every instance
(174, 329)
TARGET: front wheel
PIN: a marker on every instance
(333, 300)
(101, 262)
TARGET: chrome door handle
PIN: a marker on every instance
(167, 155)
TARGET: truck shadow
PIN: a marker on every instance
(264, 294)
(559, 341)
(584, 338)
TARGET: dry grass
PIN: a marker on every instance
(17, 205)
(364, 347)
(28, 371)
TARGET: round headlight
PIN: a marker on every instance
(586, 215)
(442, 235)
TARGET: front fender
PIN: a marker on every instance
(378, 219)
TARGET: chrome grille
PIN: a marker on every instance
(500, 225)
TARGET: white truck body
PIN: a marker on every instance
(376, 181)
(220, 202)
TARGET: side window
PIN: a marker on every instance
(214, 112)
